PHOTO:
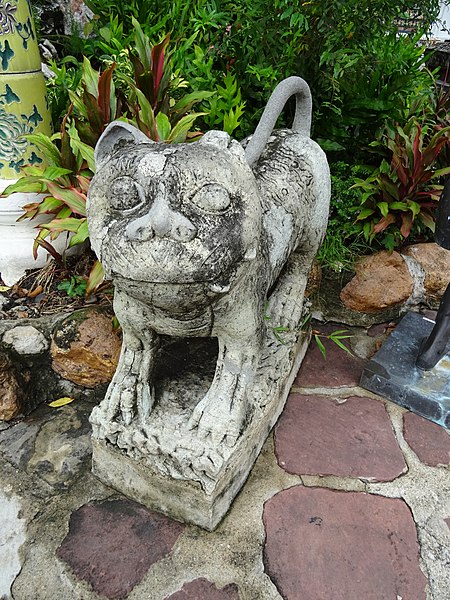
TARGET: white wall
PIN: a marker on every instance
(438, 30)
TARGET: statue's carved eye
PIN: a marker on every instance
(125, 193)
(212, 198)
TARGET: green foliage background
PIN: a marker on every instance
(366, 81)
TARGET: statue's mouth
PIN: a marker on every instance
(168, 262)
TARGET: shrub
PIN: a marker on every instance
(403, 193)
(148, 103)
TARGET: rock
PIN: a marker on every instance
(26, 340)
(85, 348)
(53, 444)
(435, 262)
(327, 305)
(13, 528)
(382, 281)
(11, 396)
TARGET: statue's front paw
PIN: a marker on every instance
(219, 418)
(127, 397)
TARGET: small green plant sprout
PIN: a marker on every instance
(74, 287)
(336, 337)
(277, 330)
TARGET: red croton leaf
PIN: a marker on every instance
(407, 221)
(158, 65)
(104, 93)
(383, 223)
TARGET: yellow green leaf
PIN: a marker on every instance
(61, 402)
(96, 276)
(4, 288)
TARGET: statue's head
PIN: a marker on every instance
(172, 213)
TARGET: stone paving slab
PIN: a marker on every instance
(330, 544)
(346, 437)
(367, 528)
(125, 540)
(429, 441)
(332, 371)
(202, 588)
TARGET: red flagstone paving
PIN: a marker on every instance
(429, 441)
(327, 545)
(340, 369)
(321, 543)
(378, 329)
(112, 544)
(202, 589)
(317, 435)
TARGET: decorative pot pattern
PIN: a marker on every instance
(23, 100)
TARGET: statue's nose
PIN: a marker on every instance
(162, 221)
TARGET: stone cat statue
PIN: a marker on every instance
(206, 239)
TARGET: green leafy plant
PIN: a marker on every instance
(343, 241)
(403, 192)
(74, 286)
(70, 153)
(368, 87)
(336, 337)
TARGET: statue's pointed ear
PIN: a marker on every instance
(220, 139)
(116, 135)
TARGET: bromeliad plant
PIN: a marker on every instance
(148, 104)
(403, 193)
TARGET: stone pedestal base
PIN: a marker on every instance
(393, 374)
(171, 481)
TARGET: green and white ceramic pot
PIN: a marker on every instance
(23, 110)
(23, 99)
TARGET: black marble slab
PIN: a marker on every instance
(392, 373)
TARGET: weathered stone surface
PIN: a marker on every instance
(194, 236)
(339, 369)
(202, 589)
(85, 348)
(12, 536)
(435, 261)
(12, 395)
(381, 281)
(112, 544)
(54, 444)
(314, 279)
(317, 435)
(77, 14)
(26, 340)
(429, 441)
(326, 544)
